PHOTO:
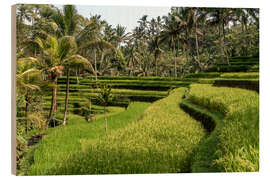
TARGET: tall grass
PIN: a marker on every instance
(161, 142)
(238, 147)
(64, 141)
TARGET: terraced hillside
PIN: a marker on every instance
(237, 64)
(162, 141)
(200, 123)
(242, 72)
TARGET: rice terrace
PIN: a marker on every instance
(177, 92)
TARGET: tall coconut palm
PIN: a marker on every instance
(56, 54)
(154, 47)
(120, 35)
(23, 15)
(131, 56)
(197, 17)
(72, 62)
(67, 28)
(97, 45)
(171, 34)
(220, 18)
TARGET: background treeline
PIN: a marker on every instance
(187, 40)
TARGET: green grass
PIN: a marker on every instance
(238, 147)
(164, 140)
(64, 141)
(204, 155)
(161, 142)
(246, 75)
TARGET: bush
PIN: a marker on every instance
(37, 121)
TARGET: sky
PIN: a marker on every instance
(124, 15)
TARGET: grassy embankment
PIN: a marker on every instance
(63, 141)
(237, 138)
(161, 142)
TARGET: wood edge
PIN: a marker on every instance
(13, 89)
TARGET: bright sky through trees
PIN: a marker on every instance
(123, 15)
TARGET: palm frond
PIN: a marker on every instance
(77, 60)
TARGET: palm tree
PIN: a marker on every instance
(72, 62)
(154, 47)
(23, 15)
(131, 56)
(98, 45)
(67, 27)
(198, 17)
(119, 35)
(56, 54)
(171, 34)
(220, 18)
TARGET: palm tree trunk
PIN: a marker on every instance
(220, 41)
(133, 67)
(77, 76)
(53, 102)
(26, 112)
(95, 57)
(156, 64)
(197, 50)
(175, 71)
(66, 99)
(101, 62)
(224, 46)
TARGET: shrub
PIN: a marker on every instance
(37, 121)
